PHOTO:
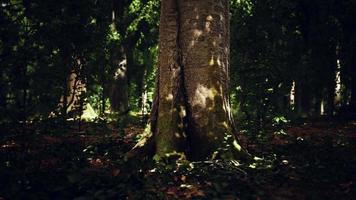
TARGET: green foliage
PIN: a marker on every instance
(41, 42)
(279, 123)
(275, 44)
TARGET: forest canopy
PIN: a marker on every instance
(289, 59)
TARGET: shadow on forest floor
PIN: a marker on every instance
(316, 160)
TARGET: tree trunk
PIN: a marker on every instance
(71, 101)
(143, 92)
(353, 77)
(119, 95)
(302, 99)
(191, 110)
(330, 85)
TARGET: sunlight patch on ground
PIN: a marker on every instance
(89, 114)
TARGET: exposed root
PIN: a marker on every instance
(145, 147)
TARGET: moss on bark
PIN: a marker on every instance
(193, 115)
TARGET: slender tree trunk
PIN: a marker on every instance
(298, 99)
(353, 77)
(119, 95)
(349, 37)
(302, 99)
(191, 111)
(103, 101)
(345, 67)
(143, 91)
(71, 100)
(330, 84)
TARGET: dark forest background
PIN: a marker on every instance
(289, 59)
(76, 86)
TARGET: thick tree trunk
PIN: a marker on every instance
(191, 111)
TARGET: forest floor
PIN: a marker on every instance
(314, 160)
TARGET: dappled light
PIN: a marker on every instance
(203, 96)
(121, 71)
(178, 99)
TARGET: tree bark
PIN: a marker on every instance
(191, 110)
(353, 77)
(330, 85)
(119, 95)
(302, 98)
(71, 101)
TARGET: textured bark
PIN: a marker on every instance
(143, 91)
(330, 85)
(119, 95)
(75, 86)
(353, 76)
(119, 100)
(169, 131)
(191, 111)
